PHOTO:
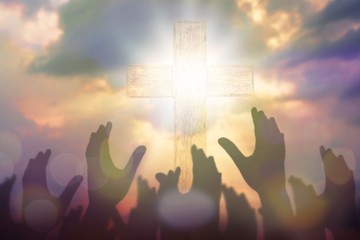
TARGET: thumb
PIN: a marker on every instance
(69, 191)
(134, 162)
(236, 155)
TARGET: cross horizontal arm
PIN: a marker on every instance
(230, 80)
(150, 81)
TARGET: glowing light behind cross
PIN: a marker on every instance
(189, 82)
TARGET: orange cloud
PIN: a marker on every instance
(279, 28)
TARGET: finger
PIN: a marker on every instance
(91, 147)
(198, 157)
(254, 114)
(194, 154)
(202, 155)
(170, 173)
(134, 162)
(229, 194)
(47, 155)
(236, 155)
(177, 172)
(105, 158)
(35, 173)
(160, 177)
(145, 185)
(69, 191)
(322, 151)
(101, 132)
(273, 126)
(261, 126)
(211, 162)
(108, 129)
(342, 163)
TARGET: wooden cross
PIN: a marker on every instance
(189, 82)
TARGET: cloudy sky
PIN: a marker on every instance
(63, 72)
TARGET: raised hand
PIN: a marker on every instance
(264, 170)
(71, 223)
(167, 207)
(144, 215)
(194, 215)
(241, 216)
(41, 210)
(339, 195)
(108, 184)
(7, 225)
(206, 180)
(168, 182)
(310, 211)
(206, 176)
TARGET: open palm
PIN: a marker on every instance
(264, 169)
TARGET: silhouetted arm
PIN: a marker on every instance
(339, 195)
(7, 226)
(264, 171)
(143, 220)
(241, 216)
(207, 180)
(71, 224)
(41, 211)
(310, 211)
(107, 185)
(168, 194)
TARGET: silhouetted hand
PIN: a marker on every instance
(241, 216)
(194, 215)
(168, 182)
(7, 226)
(264, 169)
(169, 187)
(206, 180)
(71, 224)
(206, 176)
(310, 211)
(339, 195)
(144, 215)
(108, 184)
(41, 210)
(120, 230)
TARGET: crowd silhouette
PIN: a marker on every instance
(168, 214)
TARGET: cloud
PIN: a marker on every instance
(98, 35)
(37, 31)
(102, 36)
(353, 91)
(31, 7)
(336, 10)
(345, 48)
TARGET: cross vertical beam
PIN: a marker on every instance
(189, 82)
(190, 95)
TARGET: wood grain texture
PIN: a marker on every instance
(149, 81)
(190, 81)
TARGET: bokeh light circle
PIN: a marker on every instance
(10, 145)
(6, 166)
(185, 211)
(65, 166)
(41, 215)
